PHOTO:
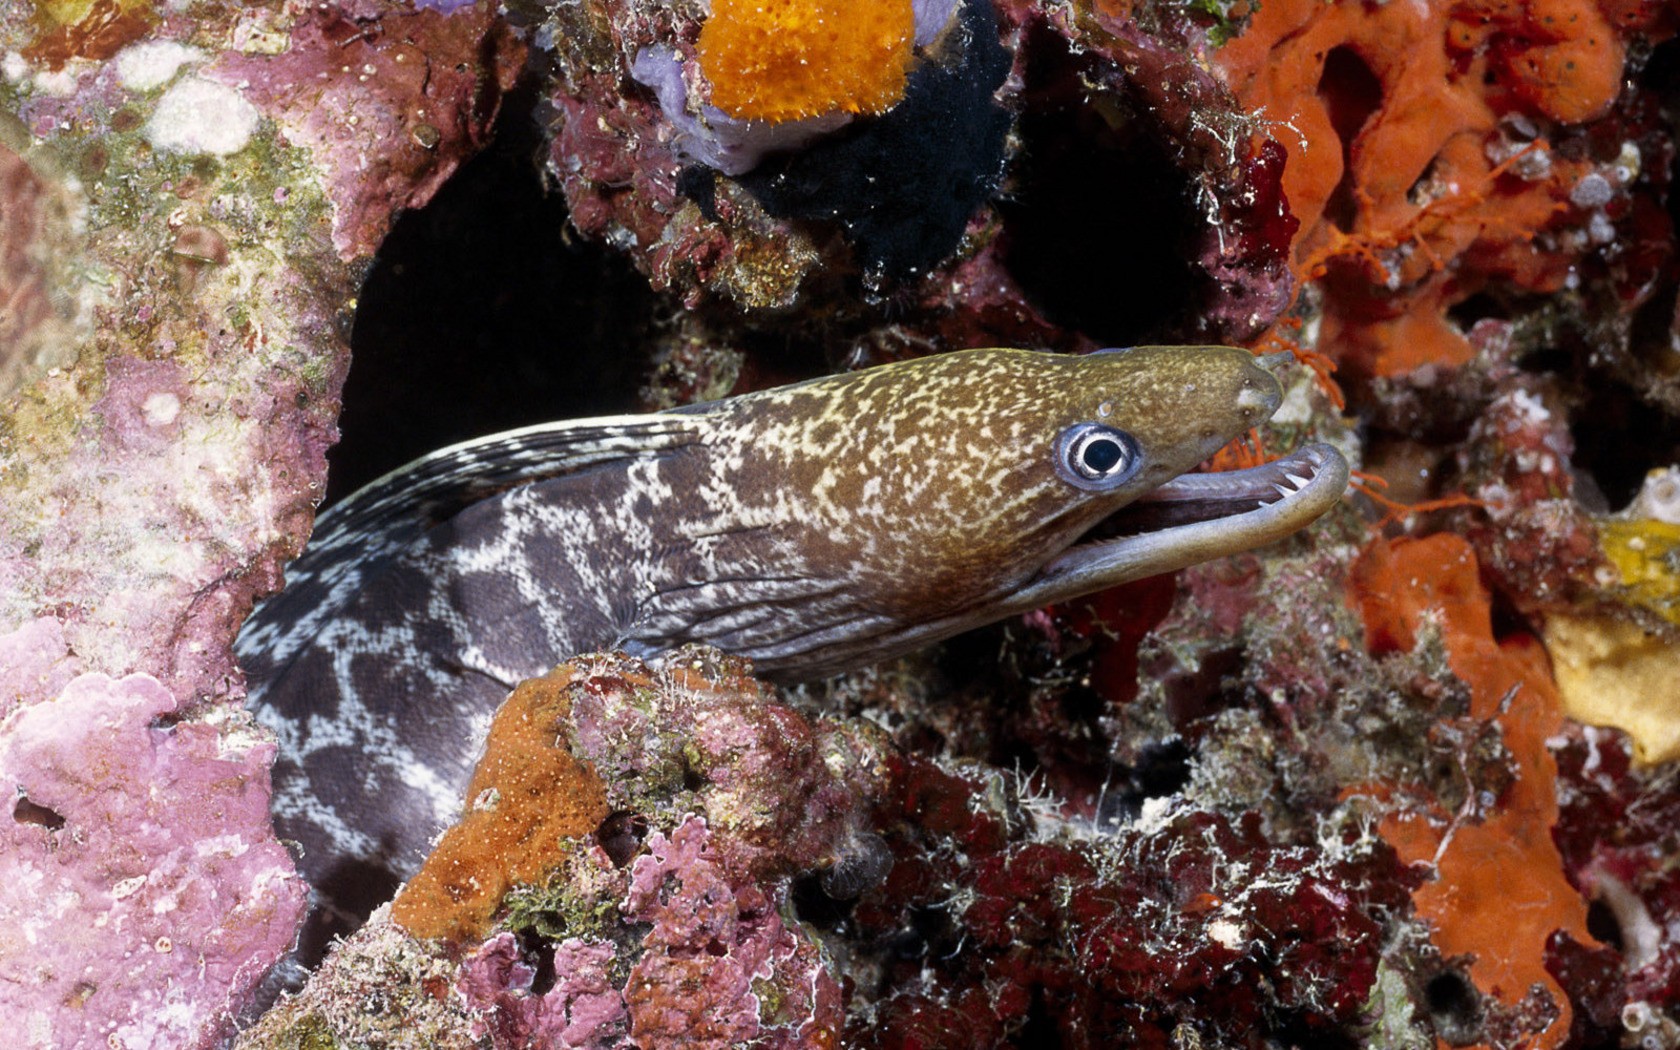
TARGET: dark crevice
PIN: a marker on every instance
(1352, 93)
(1161, 771)
(540, 952)
(1040, 1030)
(1098, 221)
(1454, 1007)
(355, 888)
(620, 836)
(483, 312)
(27, 812)
(1602, 924)
(1478, 307)
(1619, 438)
(815, 906)
(1549, 360)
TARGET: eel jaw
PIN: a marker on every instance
(1193, 518)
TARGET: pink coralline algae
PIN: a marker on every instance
(171, 311)
(148, 837)
(382, 96)
(719, 942)
(582, 1009)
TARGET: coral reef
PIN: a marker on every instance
(169, 369)
(666, 920)
(1438, 151)
(148, 894)
(526, 799)
(758, 216)
(1406, 780)
(1498, 895)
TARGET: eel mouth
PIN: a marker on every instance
(1277, 488)
(1194, 518)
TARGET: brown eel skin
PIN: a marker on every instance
(813, 528)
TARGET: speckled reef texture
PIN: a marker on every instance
(187, 201)
(1406, 780)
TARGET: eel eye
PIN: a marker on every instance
(1095, 456)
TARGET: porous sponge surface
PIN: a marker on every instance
(780, 60)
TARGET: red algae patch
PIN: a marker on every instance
(528, 798)
(1499, 891)
(779, 60)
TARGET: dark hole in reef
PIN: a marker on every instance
(1454, 1006)
(815, 906)
(1161, 770)
(1098, 221)
(1308, 1031)
(482, 313)
(692, 779)
(539, 952)
(620, 836)
(354, 888)
(1505, 619)
(1351, 92)
(1601, 923)
(1040, 1029)
(27, 812)
(1548, 360)
(1081, 703)
(169, 719)
(929, 933)
(1479, 307)
(1619, 438)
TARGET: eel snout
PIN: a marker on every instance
(1287, 493)
(1193, 518)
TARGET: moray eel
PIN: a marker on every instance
(813, 528)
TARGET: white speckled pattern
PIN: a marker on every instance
(812, 528)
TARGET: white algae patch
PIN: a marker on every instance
(201, 116)
(153, 63)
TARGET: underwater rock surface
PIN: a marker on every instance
(188, 204)
(1406, 780)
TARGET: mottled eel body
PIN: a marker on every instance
(813, 528)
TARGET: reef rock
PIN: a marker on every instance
(186, 204)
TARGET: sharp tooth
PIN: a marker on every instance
(1299, 482)
(1283, 491)
(1262, 505)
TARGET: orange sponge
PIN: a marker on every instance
(779, 60)
(529, 799)
(1499, 889)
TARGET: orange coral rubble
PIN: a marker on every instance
(1402, 209)
(528, 798)
(1499, 889)
(779, 60)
